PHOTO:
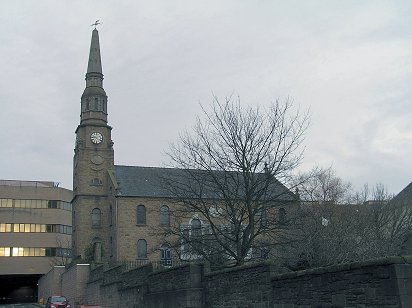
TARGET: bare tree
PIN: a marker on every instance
(322, 185)
(336, 232)
(229, 196)
(62, 252)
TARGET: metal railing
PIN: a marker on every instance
(156, 265)
(28, 183)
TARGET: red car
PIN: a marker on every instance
(57, 301)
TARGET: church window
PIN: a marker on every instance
(96, 182)
(97, 249)
(141, 249)
(87, 104)
(96, 102)
(185, 238)
(164, 216)
(96, 217)
(263, 218)
(196, 227)
(141, 215)
(196, 236)
(192, 237)
(111, 214)
(165, 255)
(111, 246)
(282, 216)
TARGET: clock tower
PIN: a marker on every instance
(93, 159)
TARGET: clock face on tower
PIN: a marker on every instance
(96, 137)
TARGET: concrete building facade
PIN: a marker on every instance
(35, 234)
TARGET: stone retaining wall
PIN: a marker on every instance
(384, 282)
(378, 283)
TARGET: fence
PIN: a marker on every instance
(157, 265)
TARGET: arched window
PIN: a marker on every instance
(165, 255)
(96, 217)
(141, 215)
(196, 236)
(282, 216)
(196, 227)
(164, 216)
(141, 249)
(97, 249)
(263, 218)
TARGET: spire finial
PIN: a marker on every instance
(97, 22)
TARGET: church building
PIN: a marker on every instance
(115, 208)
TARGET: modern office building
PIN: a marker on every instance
(35, 234)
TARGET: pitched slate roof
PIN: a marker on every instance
(137, 181)
(404, 196)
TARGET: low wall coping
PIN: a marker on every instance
(241, 267)
(346, 267)
(91, 281)
(173, 268)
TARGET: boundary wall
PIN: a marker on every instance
(385, 282)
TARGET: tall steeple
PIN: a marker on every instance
(93, 158)
(95, 61)
(94, 98)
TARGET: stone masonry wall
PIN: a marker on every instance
(384, 282)
(50, 283)
(246, 286)
(93, 286)
(180, 286)
(74, 281)
(109, 290)
(377, 283)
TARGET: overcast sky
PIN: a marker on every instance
(348, 62)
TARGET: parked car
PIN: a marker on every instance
(57, 301)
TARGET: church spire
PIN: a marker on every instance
(94, 98)
(95, 62)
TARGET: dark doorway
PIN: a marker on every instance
(18, 288)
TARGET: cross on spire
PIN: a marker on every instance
(97, 22)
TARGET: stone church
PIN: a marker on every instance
(114, 206)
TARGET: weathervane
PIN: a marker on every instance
(97, 22)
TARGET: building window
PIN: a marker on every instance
(5, 227)
(192, 239)
(111, 215)
(185, 239)
(6, 203)
(36, 204)
(141, 249)
(263, 218)
(164, 216)
(34, 252)
(282, 216)
(196, 227)
(141, 215)
(111, 246)
(97, 245)
(166, 255)
(96, 182)
(96, 217)
(35, 228)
